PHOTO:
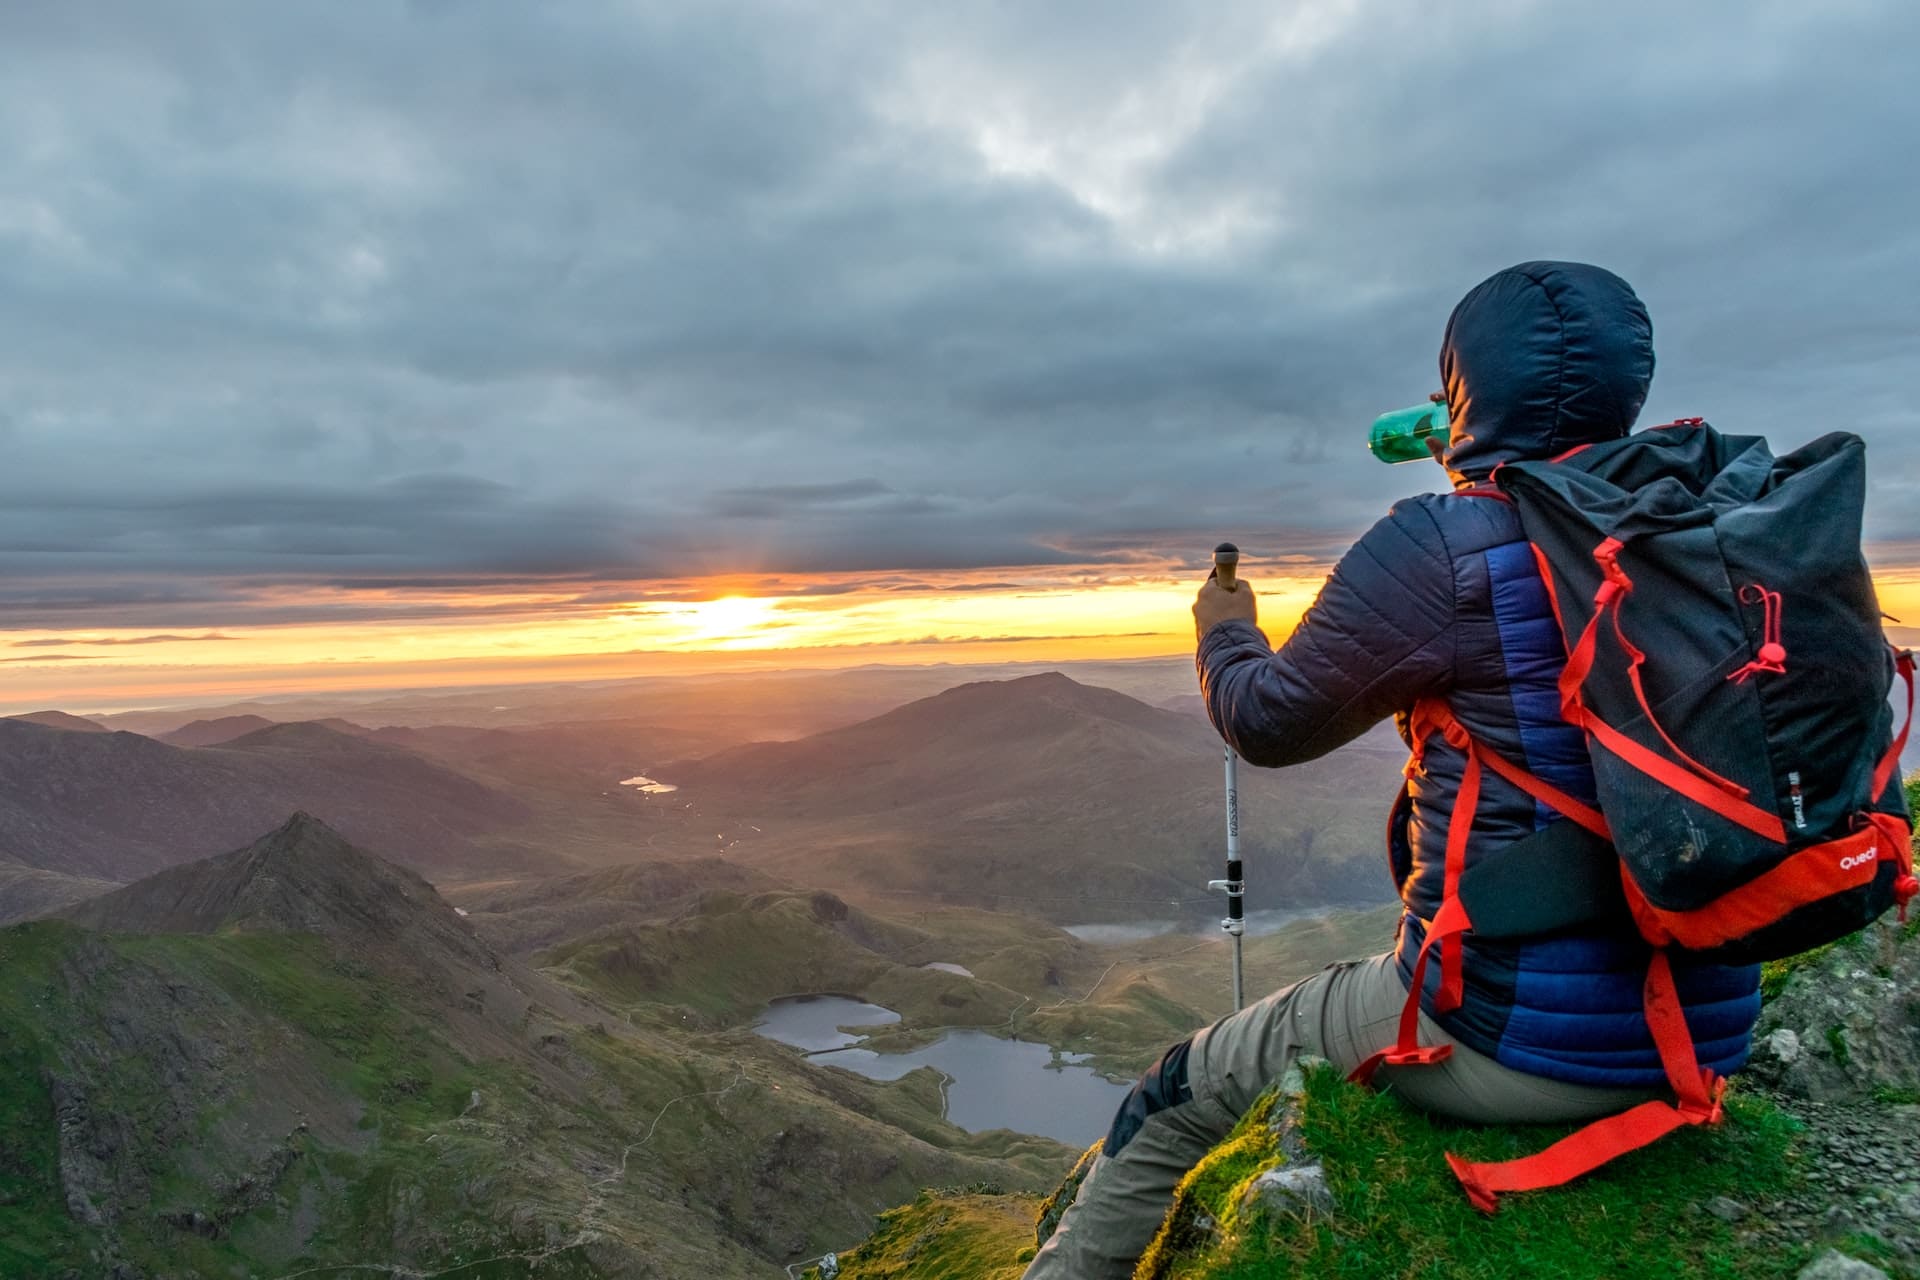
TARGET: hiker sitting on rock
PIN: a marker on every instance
(1440, 600)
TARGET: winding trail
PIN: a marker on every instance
(1168, 955)
(626, 1152)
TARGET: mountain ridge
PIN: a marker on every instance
(207, 733)
(1079, 802)
(62, 720)
(119, 805)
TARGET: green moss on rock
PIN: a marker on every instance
(945, 1236)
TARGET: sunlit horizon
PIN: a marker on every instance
(703, 627)
(706, 628)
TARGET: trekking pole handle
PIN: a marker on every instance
(1226, 566)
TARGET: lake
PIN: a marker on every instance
(992, 1083)
(647, 786)
(813, 1022)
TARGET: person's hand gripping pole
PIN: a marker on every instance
(1226, 580)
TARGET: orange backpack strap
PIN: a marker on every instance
(1432, 716)
(1698, 1093)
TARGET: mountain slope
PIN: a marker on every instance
(331, 1074)
(1077, 802)
(28, 892)
(525, 915)
(118, 805)
(955, 747)
(1396, 1209)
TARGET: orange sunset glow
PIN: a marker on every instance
(707, 626)
(704, 626)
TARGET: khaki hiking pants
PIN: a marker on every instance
(1343, 1013)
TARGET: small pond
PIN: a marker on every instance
(813, 1022)
(993, 1083)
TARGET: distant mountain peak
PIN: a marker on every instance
(307, 735)
(61, 720)
(302, 877)
(1042, 680)
(979, 749)
(215, 732)
(1048, 693)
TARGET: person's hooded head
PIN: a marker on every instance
(1538, 359)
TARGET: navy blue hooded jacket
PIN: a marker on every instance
(1442, 599)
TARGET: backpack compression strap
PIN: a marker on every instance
(1883, 772)
(1694, 781)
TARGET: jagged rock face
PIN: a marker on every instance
(1845, 1024)
(161, 1053)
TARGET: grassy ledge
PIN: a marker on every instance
(1400, 1212)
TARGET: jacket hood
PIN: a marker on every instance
(1540, 358)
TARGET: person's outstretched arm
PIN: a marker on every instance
(1378, 637)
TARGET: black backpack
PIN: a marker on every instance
(1727, 660)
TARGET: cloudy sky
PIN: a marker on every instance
(437, 338)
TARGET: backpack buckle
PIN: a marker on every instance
(1716, 1098)
(1423, 1055)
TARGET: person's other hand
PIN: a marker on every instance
(1216, 604)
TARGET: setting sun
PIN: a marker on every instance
(729, 622)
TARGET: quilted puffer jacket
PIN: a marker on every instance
(1442, 599)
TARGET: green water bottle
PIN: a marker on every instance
(1401, 436)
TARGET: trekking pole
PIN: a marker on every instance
(1226, 564)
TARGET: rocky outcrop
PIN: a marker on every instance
(1834, 1265)
(1843, 1023)
(1293, 1191)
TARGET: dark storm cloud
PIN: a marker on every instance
(437, 297)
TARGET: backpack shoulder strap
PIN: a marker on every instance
(1451, 921)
